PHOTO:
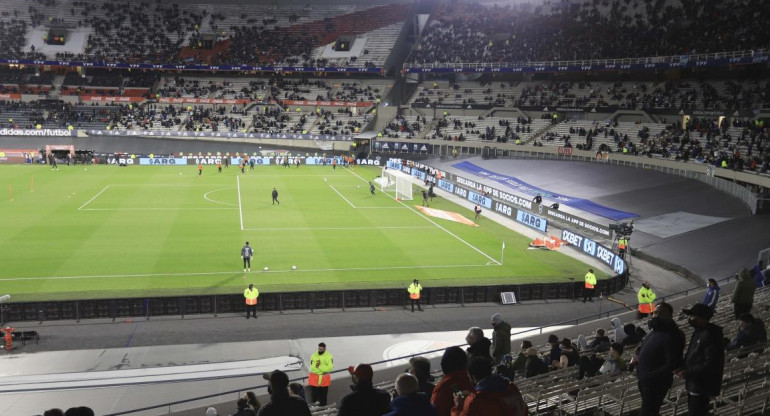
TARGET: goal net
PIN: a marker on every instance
(397, 183)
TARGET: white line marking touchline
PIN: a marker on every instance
(238, 272)
(95, 196)
(240, 206)
(434, 223)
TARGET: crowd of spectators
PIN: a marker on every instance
(472, 32)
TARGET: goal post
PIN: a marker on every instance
(397, 183)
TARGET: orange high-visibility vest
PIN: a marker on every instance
(251, 296)
(319, 381)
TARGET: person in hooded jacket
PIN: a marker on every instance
(364, 400)
(494, 395)
(704, 361)
(453, 365)
(743, 293)
(410, 401)
(501, 338)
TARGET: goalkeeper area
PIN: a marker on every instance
(397, 183)
(110, 232)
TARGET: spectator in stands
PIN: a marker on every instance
(633, 334)
(520, 363)
(281, 403)
(478, 344)
(453, 364)
(243, 408)
(569, 355)
(253, 401)
(501, 338)
(364, 400)
(743, 293)
(410, 401)
(79, 411)
(493, 395)
(757, 275)
(615, 363)
(712, 295)
(657, 358)
(420, 368)
(296, 389)
(751, 331)
(534, 365)
(704, 361)
(600, 343)
(212, 411)
(53, 412)
(617, 325)
(552, 359)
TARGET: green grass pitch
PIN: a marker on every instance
(146, 231)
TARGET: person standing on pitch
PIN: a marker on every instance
(251, 294)
(219, 166)
(371, 188)
(477, 211)
(415, 290)
(200, 169)
(590, 286)
(319, 379)
(275, 197)
(246, 254)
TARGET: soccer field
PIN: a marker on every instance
(113, 231)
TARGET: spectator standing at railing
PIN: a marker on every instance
(704, 361)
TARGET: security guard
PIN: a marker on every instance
(622, 246)
(590, 286)
(646, 298)
(414, 294)
(251, 294)
(319, 379)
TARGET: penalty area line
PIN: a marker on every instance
(94, 197)
(236, 272)
(240, 205)
(435, 223)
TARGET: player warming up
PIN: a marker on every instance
(246, 254)
(371, 188)
(275, 197)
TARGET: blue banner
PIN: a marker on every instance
(531, 220)
(521, 186)
(447, 186)
(418, 174)
(685, 63)
(594, 249)
(391, 164)
(479, 199)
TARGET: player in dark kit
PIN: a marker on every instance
(275, 197)
(371, 188)
(246, 254)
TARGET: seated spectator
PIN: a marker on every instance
(751, 331)
(281, 403)
(633, 335)
(534, 365)
(494, 395)
(410, 401)
(296, 389)
(519, 364)
(420, 368)
(478, 344)
(364, 399)
(712, 295)
(615, 363)
(243, 408)
(253, 401)
(569, 355)
(212, 411)
(453, 364)
(620, 333)
(79, 411)
(600, 343)
(552, 360)
(53, 412)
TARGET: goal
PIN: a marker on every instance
(398, 183)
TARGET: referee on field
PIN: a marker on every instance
(246, 254)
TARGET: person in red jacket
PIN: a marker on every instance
(494, 395)
(455, 378)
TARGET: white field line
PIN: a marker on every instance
(155, 209)
(338, 228)
(434, 223)
(342, 196)
(240, 206)
(95, 196)
(348, 269)
(206, 197)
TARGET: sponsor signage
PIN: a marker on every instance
(586, 225)
(393, 164)
(370, 162)
(701, 113)
(189, 100)
(398, 147)
(327, 103)
(479, 199)
(192, 67)
(449, 106)
(258, 161)
(218, 134)
(447, 186)
(594, 249)
(37, 132)
(687, 62)
(10, 96)
(418, 174)
(531, 220)
(95, 98)
(563, 109)
(562, 150)
(163, 161)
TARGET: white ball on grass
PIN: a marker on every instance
(266, 268)
(294, 267)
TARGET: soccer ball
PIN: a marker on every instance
(85, 169)
(180, 173)
(358, 186)
(267, 268)
(294, 267)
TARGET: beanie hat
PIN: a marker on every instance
(496, 318)
(211, 412)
